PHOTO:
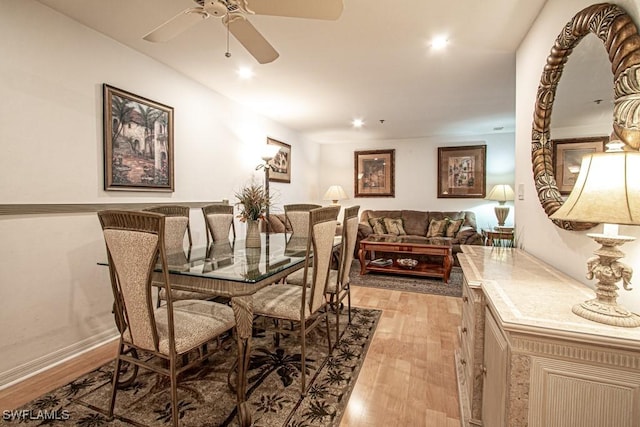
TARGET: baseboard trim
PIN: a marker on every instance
(48, 361)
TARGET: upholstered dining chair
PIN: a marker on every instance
(297, 216)
(174, 333)
(219, 222)
(176, 226)
(306, 306)
(338, 284)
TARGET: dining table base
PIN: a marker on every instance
(243, 310)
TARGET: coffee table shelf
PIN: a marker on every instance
(422, 269)
(407, 247)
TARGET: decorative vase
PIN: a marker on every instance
(253, 262)
(252, 239)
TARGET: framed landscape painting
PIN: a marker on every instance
(374, 173)
(567, 158)
(138, 142)
(281, 162)
(462, 171)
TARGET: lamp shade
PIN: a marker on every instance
(269, 151)
(501, 193)
(335, 193)
(607, 190)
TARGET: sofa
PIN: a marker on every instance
(459, 226)
(277, 223)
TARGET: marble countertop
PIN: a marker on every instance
(527, 294)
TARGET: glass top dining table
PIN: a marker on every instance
(232, 261)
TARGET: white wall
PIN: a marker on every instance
(55, 299)
(416, 173)
(565, 250)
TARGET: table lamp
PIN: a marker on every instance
(501, 193)
(335, 193)
(607, 191)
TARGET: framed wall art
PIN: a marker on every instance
(138, 142)
(374, 173)
(281, 171)
(567, 158)
(462, 171)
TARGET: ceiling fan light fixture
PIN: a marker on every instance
(215, 8)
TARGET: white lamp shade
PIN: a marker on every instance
(269, 151)
(501, 193)
(607, 190)
(335, 193)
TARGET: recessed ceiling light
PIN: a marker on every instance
(357, 123)
(439, 42)
(245, 72)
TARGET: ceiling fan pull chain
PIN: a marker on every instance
(227, 53)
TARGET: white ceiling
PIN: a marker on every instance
(373, 63)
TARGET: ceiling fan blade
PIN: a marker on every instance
(251, 39)
(311, 9)
(176, 25)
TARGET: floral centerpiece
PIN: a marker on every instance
(253, 202)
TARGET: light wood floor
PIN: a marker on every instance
(408, 377)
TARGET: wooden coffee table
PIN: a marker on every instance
(399, 247)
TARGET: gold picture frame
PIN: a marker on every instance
(374, 173)
(567, 158)
(138, 142)
(462, 171)
(281, 162)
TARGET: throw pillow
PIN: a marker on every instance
(394, 226)
(437, 227)
(378, 225)
(453, 227)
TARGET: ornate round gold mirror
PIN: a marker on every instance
(614, 27)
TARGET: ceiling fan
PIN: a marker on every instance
(233, 17)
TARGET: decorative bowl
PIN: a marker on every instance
(407, 262)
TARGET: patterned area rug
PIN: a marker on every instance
(424, 285)
(204, 397)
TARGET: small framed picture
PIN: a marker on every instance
(281, 162)
(374, 173)
(567, 158)
(462, 171)
(138, 142)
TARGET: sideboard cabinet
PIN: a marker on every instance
(526, 360)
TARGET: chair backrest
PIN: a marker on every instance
(135, 242)
(176, 225)
(297, 216)
(349, 237)
(219, 220)
(322, 231)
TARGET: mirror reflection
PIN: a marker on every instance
(583, 106)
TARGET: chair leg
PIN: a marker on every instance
(326, 322)
(303, 362)
(277, 334)
(174, 392)
(116, 376)
(349, 303)
(337, 309)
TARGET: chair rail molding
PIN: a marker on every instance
(69, 208)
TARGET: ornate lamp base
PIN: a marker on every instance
(606, 268)
(615, 315)
(501, 214)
